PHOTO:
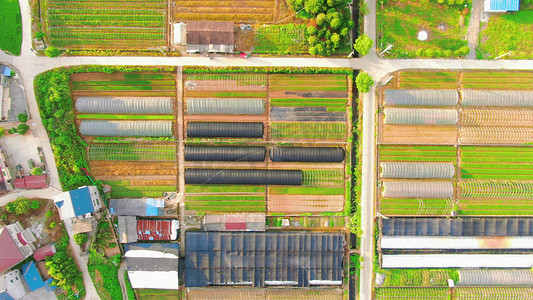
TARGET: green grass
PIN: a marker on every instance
(156, 294)
(307, 88)
(497, 163)
(11, 24)
(109, 286)
(323, 177)
(147, 76)
(308, 130)
(131, 293)
(510, 32)
(123, 82)
(140, 191)
(430, 75)
(124, 117)
(132, 152)
(415, 206)
(280, 39)
(199, 189)
(417, 153)
(399, 23)
(305, 190)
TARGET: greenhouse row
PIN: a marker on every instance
(126, 128)
(416, 116)
(417, 189)
(457, 260)
(497, 98)
(416, 170)
(243, 176)
(125, 105)
(425, 97)
(258, 153)
(495, 277)
(225, 106)
(225, 129)
(320, 114)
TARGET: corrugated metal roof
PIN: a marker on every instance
(224, 129)
(417, 189)
(81, 201)
(495, 277)
(457, 261)
(125, 128)
(243, 176)
(420, 116)
(125, 105)
(127, 229)
(225, 106)
(307, 154)
(157, 230)
(137, 207)
(425, 97)
(503, 5)
(233, 222)
(210, 32)
(151, 264)
(417, 170)
(497, 98)
(218, 258)
(224, 153)
(457, 227)
(456, 243)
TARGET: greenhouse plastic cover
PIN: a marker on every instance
(420, 116)
(225, 106)
(417, 189)
(126, 128)
(307, 154)
(457, 261)
(457, 227)
(417, 170)
(125, 105)
(424, 97)
(225, 129)
(497, 98)
(243, 176)
(262, 258)
(457, 242)
(495, 277)
(224, 153)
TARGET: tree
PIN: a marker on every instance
(321, 19)
(363, 81)
(22, 128)
(23, 117)
(314, 6)
(311, 30)
(312, 50)
(312, 40)
(336, 23)
(2, 132)
(52, 52)
(335, 39)
(81, 238)
(363, 44)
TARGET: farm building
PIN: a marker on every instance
(495, 277)
(209, 36)
(501, 5)
(497, 98)
(153, 266)
(75, 203)
(243, 176)
(417, 189)
(125, 105)
(420, 116)
(225, 106)
(280, 258)
(457, 261)
(413, 170)
(424, 97)
(44, 252)
(127, 229)
(31, 182)
(234, 222)
(224, 153)
(17, 245)
(145, 207)
(125, 128)
(157, 230)
(307, 154)
(12, 285)
(225, 129)
(180, 33)
(33, 278)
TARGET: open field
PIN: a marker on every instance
(11, 24)
(137, 25)
(398, 24)
(412, 293)
(282, 39)
(415, 277)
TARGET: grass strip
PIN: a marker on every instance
(224, 197)
(147, 76)
(307, 100)
(409, 147)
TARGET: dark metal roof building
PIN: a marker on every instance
(206, 153)
(307, 154)
(224, 129)
(263, 258)
(243, 176)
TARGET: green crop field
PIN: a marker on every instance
(305, 190)
(11, 24)
(441, 207)
(303, 130)
(120, 191)
(280, 39)
(512, 163)
(416, 277)
(495, 207)
(225, 203)
(97, 24)
(202, 189)
(417, 153)
(133, 152)
(407, 293)
(323, 177)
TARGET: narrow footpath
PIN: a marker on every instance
(474, 27)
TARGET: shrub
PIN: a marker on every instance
(447, 53)
(311, 30)
(464, 50)
(40, 35)
(23, 117)
(37, 171)
(312, 50)
(363, 81)
(48, 214)
(20, 206)
(52, 52)
(363, 44)
(81, 238)
(13, 130)
(429, 52)
(419, 52)
(314, 6)
(52, 225)
(35, 204)
(22, 128)
(438, 53)
(2, 131)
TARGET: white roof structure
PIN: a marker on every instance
(153, 266)
(457, 242)
(167, 280)
(180, 33)
(457, 261)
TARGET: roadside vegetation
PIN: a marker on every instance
(11, 26)
(511, 33)
(399, 23)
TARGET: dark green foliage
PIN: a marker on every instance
(21, 206)
(363, 81)
(13, 130)
(81, 238)
(34, 204)
(109, 286)
(63, 268)
(52, 52)
(23, 117)
(11, 26)
(363, 44)
(22, 128)
(37, 171)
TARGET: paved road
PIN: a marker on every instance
(28, 66)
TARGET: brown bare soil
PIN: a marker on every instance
(239, 11)
(419, 134)
(308, 94)
(102, 168)
(112, 251)
(221, 86)
(137, 177)
(305, 203)
(244, 40)
(497, 117)
(495, 135)
(262, 294)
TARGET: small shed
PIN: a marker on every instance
(209, 36)
(501, 5)
(31, 182)
(43, 252)
(234, 222)
(127, 229)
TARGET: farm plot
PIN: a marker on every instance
(412, 293)
(305, 199)
(497, 80)
(415, 277)
(502, 293)
(224, 198)
(120, 24)
(247, 11)
(497, 163)
(427, 80)
(282, 39)
(132, 152)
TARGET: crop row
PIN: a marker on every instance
(308, 130)
(458, 293)
(132, 152)
(390, 206)
(108, 34)
(225, 203)
(124, 82)
(323, 177)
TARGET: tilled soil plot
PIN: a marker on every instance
(102, 168)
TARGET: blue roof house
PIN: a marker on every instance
(79, 202)
(501, 5)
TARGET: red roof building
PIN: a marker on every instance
(43, 252)
(31, 182)
(16, 245)
(157, 230)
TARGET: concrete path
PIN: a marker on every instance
(123, 288)
(473, 27)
